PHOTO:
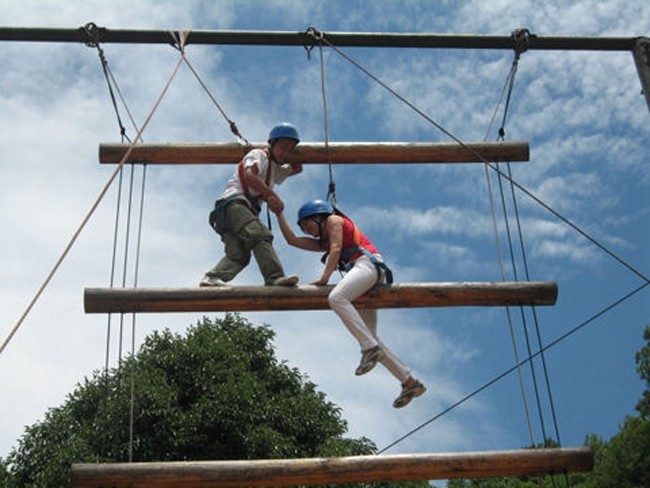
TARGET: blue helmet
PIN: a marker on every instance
(314, 207)
(284, 129)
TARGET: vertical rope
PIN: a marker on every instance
(126, 258)
(507, 89)
(331, 189)
(134, 315)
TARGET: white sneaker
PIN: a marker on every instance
(212, 281)
(291, 280)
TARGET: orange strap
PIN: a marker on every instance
(242, 173)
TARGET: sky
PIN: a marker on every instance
(582, 114)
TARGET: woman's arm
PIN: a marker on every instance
(334, 225)
(292, 239)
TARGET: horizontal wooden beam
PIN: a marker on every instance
(311, 297)
(320, 471)
(317, 153)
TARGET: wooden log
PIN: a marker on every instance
(310, 297)
(319, 471)
(316, 153)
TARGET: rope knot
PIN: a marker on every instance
(521, 40)
(92, 33)
(317, 36)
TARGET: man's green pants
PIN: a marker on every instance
(243, 234)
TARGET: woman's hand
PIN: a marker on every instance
(321, 282)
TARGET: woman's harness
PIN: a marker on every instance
(345, 265)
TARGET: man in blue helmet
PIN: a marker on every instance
(235, 216)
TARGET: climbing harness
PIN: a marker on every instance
(217, 217)
(345, 264)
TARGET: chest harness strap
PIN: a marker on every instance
(218, 215)
(346, 265)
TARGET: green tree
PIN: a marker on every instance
(643, 368)
(217, 393)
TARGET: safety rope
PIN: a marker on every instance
(331, 189)
(134, 315)
(92, 31)
(180, 39)
(519, 48)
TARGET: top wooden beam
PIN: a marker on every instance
(343, 470)
(317, 153)
(340, 39)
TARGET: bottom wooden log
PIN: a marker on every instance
(319, 471)
(309, 297)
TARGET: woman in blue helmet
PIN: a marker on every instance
(235, 216)
(347, 248)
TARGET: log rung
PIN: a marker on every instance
(319, 471)
(318, 153)
(311, 297)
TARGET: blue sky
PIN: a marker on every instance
(581, 112)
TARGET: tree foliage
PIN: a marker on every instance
(216, 393)
(643, 368)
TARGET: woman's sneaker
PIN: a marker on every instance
(369, 359)
(408, 393)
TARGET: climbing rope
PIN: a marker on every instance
(92, 32)
(331, 189)
(520, 45)
(180, 39)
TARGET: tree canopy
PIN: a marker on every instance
(216, 393)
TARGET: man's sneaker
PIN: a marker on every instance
(290, 280)
(369, 359)
(409, 392)
(212, 281)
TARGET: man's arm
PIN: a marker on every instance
(266, 193)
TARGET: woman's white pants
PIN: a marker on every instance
(362, 324)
